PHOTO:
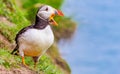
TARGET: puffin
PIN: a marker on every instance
(34, 40)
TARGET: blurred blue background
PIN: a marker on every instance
(95, 47)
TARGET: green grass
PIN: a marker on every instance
(7, 60)
(56, 4)
(14, 15)
(45, 64)
(8, 32)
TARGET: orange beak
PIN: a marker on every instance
(60, 13)
(51, 20)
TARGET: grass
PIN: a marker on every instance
(8, 32)
(45, 64)
(7, 60)
(53, 3)
(14, 15)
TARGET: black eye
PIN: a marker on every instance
(46, 9)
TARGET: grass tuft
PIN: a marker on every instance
(44, 65)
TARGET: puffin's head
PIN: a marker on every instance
(47, 13)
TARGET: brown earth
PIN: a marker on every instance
(21, 70)
(6, 21)
(4, 42)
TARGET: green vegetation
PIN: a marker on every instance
(14, 15)
(21, 13)
(45, 65)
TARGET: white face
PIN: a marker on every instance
(46, 11)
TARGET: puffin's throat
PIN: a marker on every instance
(40, 23)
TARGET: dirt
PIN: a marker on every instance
(4, 41)
(6, 21)
(21, 70)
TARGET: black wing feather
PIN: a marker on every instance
(17, 36)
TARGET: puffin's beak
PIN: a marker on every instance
(51, 20)
(59, 12)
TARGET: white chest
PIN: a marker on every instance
(37, 40)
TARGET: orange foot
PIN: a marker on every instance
(23, 62)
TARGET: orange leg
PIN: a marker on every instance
(23, 61)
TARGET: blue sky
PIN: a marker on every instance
(95, 47)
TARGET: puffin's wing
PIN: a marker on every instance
(17, 36)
